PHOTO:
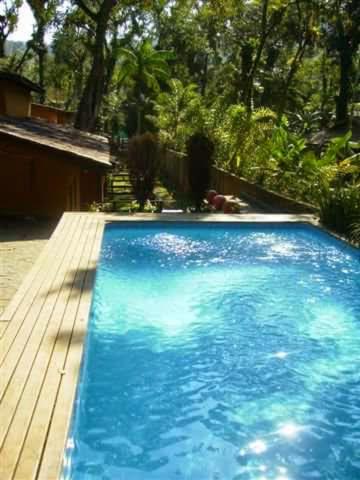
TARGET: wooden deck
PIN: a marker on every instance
(41, 338)
(40, 350)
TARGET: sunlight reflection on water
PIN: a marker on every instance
(220, 353)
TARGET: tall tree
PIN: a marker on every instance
(301, 25)
(342, 30)
(9, 14)
(271, 15)
(44, 13)
(94, 88)
(70, 65)
(146, 67)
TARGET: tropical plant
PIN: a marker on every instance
(146, 67)
(340, 208)
(175, 111)
(143, 166)
(355, 231)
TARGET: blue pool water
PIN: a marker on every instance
(220, 352)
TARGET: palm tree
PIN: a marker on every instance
(146, 67)
(175, 111)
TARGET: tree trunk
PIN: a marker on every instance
(138, 118)
(41, 51)
(2, 46)
(246, 64)
(271, 59)
(93, 92)
(324, 91)
(267, 27)
(290, 76)
(343, 99)
(23, 58)
(204, 76)
(250, 75)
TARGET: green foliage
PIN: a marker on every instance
(9, 15)
(256, 78)
(143, 166)
(340, 208)
(200, 151)
(146, 68)
(238, 136)
(145, 65)
(174, 113)
(355, 231)
(338, 193)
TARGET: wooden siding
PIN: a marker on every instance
(51, 114)
(38, 181)
(15, 99)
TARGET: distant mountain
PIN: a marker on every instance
(12, 47)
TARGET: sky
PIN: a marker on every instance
(25, 26)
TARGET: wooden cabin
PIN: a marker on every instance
(15, 95)
(52, 114)
(45, 168)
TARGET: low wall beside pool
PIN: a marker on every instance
(174, 167)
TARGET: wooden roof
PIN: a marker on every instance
(61, 138)
(21, 81)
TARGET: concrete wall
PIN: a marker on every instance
(15, 101)
(174, 167)
(41, 182)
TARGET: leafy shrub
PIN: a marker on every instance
(143, 166)
(340, 208)
(200, 157)
(355, 231)
(176, 112)
(339, 186)
(100, 207)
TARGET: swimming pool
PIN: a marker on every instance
(218, 352)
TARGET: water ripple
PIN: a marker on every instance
(221, 353)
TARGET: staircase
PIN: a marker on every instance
(118, 190)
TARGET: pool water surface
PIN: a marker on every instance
(220, 352)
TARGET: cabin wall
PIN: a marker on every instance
(47, 113)
(92, 188)
(41, 182)
(15, 101)
(51, 114)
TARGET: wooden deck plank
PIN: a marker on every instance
(9, 406)
(35, 297)
(33, 325)
(3, 327)
(32, 365)
(32, 450)
(52, 460)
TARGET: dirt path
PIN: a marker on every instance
(21, 241)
